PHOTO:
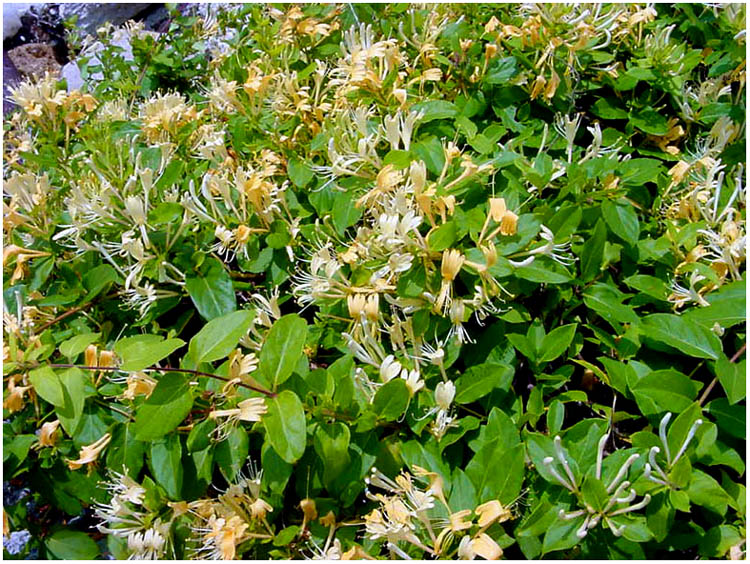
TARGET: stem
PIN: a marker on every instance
(64, 315)
(116, 410)
(169, 369)
(716, 378)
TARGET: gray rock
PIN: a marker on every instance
(34, 59)
(12, 13)
(92, 16)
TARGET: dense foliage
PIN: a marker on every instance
(355, 281)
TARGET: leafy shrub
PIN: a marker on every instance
(356, 281)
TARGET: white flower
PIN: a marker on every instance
(413, 380)
(146, 545)
(389, 368)
(444, 394)
(559, 253)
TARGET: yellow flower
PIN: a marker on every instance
(509, 224)
(259, 508)
(48, 434)
(678, 171)
(497, 209)
(90, 453)
(453, 260)
(490, 512)
(485, 547)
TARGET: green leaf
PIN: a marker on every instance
(556, 342)
(594, 493)
(637, 172)
(125, 451)
(503, 484)
(47, 385)
(664, 390)
(165, 462)
(501, 70)
(499, 430)
(281, 350)
(18, 447)
(480, 380)
(285, 426)
(592, 254)
(607, 302)
(211, 290)
(650, 121)
(443, 237)
(728, 307)
(549, 273)
(555, 417)
(435, 109)
(430, 150)
(141, 351)
(203, 460)
(561, 535)
(200, 435)
(331, 443)
(706, 492)
(276, 472)
(649, 285)
(231, 453)
(76, 345)
(97, 280)
(673, 330)
(733, 378)
(719, 540)
(299, 172)
(286, 535)
(391, 400)
(166, 407)
(71, 545)
(344, 213)
(608, 108)
(73, 383)
(730, 418)
(219, 337)
(622, 220)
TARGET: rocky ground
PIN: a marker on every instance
(35, 39)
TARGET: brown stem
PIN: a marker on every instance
(716, 378)
(168, 369)
(63, 316)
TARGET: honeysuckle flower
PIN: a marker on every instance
(483, 545)
(413, 380)
(249, 410)
(259, 508)
(451, 265)
(14, 401)
(653, 465)
(491, 512)
(444, 394)
(48, 433)
(90, 453)
(558, 252)
(455, 523)
(456, 314)
(220, 537)
(615, 490)
(146, 545)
